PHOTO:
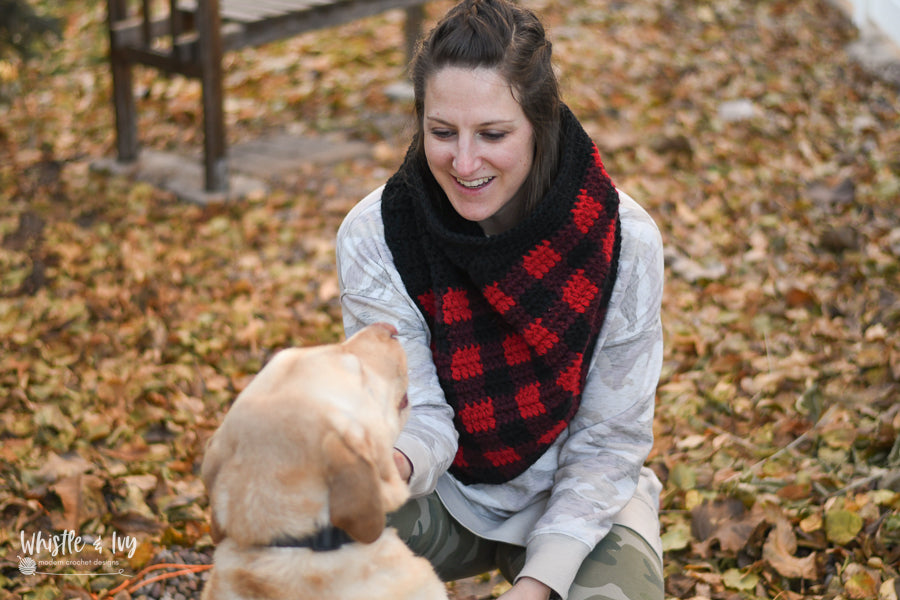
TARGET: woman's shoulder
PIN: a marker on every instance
(641, 239)
(364, 219)
(635, 219)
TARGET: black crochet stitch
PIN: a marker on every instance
(515, 317)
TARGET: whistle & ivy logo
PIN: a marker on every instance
(47, 554)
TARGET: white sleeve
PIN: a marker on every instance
(612, 433)
(372, 291)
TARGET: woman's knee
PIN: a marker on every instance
(431, 532)
(415, 522)
(623, 566)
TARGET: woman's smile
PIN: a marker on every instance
(478, 183)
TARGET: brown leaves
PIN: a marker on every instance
(780, 552)
(724, 522)
(129, 321)
(765, 540)
(780, 384)
(149, 317)
(82, 500)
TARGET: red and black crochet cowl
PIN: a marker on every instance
(514, 318)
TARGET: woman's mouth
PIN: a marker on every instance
(474, 184)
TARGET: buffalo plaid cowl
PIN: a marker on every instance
(514, 318)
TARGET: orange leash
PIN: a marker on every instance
(136, 582)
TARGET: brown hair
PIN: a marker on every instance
(501, 35)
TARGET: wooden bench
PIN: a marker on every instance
(189, 37)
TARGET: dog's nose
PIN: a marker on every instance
(392, 331)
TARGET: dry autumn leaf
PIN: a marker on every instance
(766, 155)
(780, 549)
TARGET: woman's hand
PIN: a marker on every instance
(404, 466)
(527, 589)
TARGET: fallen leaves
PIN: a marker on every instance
(776, 201)
(770, 161)
(780, 551)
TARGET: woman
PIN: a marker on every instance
(526, 290)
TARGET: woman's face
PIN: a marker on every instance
(479, 145)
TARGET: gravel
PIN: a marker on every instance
(183, 587)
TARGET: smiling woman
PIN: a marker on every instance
(526, 290)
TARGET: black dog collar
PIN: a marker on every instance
(324, 540)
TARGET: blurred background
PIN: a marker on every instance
(763, 136)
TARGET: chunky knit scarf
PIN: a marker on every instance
(514, 318)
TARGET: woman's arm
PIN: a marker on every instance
(371, 291)
(612, 433)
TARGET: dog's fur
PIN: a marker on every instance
(306, 445)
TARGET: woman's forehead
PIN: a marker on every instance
(477, 95)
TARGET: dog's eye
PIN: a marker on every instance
(351, 364)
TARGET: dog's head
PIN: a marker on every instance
(309, 443)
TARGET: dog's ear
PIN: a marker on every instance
(209, 471)
(215, 530)
(354, 498)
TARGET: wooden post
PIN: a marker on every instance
(210, 54)
(176, 28)
(146, 17)
(122, 82)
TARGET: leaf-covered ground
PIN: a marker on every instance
(769, 159)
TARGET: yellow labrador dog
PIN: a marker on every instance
(300, 476)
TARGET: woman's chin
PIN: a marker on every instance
(476, 214)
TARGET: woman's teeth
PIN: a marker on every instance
(474, 183)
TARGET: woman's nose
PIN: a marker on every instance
(466, 160)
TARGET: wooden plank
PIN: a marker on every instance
(272, 20)
(284, 6)
(162, 60)
(246, 13)
(327, 15)
(250, 11)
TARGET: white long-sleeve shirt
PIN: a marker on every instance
(593, 475)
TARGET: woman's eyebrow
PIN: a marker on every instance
(485, 124)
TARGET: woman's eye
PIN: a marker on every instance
(493, 136)
(442, 134)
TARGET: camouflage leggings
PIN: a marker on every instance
(623, 566)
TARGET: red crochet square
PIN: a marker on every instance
(540, 260)
(466, 363)
(599, 162)
(499, 458)
(478, 416)
(455, 305)
(529, 400)
(586, 212)
(515, 350)
(579, 292)
(552, 434)
(500, 301)
(540, 338)
(570, 378)
(460, 460)
(426, 301)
